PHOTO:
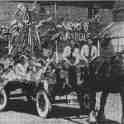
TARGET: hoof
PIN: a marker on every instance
(101, 118)
(93, 123)
(92, 118)
(122, 121)
(90, 122)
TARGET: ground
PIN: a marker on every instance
(21, 112)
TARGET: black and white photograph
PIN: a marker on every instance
(61, 61)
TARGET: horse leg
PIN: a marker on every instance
(122, 99)
(79, 98)
(103, 99)
(92, 114)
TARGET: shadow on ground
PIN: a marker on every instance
(67, 113)
(29, 108)
(21, 106)
(107, 121)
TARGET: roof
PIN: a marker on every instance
(86, 3)
(58, 0)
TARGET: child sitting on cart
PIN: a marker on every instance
(21, 69)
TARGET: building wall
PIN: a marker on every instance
(6, 12)
(118, 11)
(73, 13)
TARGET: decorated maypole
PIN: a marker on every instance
(24, 35)
(55, 16)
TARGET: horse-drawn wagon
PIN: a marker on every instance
(49, 80)
(31, 83)
(106, 72)
(44, 83)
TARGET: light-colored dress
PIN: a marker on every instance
(76, 54)
(86, 53)
(66, 52)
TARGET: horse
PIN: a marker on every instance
(109, 79)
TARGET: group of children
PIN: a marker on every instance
(86, 53)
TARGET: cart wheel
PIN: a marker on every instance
(3, 99)
(43, 104)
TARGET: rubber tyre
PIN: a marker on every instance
(43, 104)
(3, 99)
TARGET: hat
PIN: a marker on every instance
(24, 57)
(106, 36)
(21, 7)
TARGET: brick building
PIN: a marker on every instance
(69, 9)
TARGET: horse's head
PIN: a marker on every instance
(105, 40)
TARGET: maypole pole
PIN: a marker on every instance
(55, 16)
(55, 12)
(31, 43)
(98, 47)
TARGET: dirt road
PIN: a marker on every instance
(20, 112)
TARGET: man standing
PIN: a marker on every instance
(88, 52)
(66, 53)
(76, 54)
(16, 28)
(72, 58)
